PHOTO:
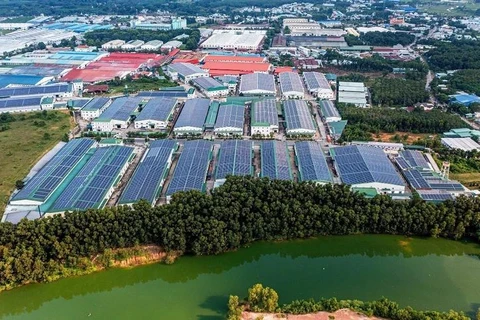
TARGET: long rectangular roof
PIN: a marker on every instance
(186, 69)
(235, 158)
(264, 113)
(297, 115)
(193, 114)
(41, 185)
(95, 104)
(36, 90)
(230, 116)
(207, 83)
(315, 81)
(163, 93)
(146, 182)
(158, 109)
(275, 161)
(91, 184)
(311, 162)
(465, 144)
(121, 109)
(192, 167)
(328, 109)
(290, 82)
(20, 102)
(415, 158)
(363, 164)
(257, 81)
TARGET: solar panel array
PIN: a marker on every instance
(192, 167)
(235, 158)
(449, 185)
(20, 102)
(364, 164)
(230, 116)
(328, 109)
(163, 93)
(146, 182)
(290, 82)
(35, 90)
(415, 179)
(311, 162)
(207, 83)
(158, 109)
(275, 161)
(186, 69)
(265, 111)
(435, 195)
(95, 104)
(41, 185)
(315, 81)
(415, 158)
(297, 115)
(121, 109)
(91, 184)
(402, 163)
(194, 113)
(257, 81)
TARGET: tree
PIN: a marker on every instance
(262, 299)
(41, 46)
(46, 136)
(286, 30)
(234, 309)
(19, 184)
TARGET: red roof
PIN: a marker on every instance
(282, 69)
(186, 60)
(231, 68)
(236, 59)
(96, 88)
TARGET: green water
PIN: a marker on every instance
(432, 274)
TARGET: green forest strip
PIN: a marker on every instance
(265, 299)
(240, 212)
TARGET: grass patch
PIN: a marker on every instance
(28, 137)
(471, 180)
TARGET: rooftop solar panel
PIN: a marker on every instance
(95, 104)
(121, 109)
(416, 180)
(297, 115)
(36, 90)
(235, 158)
(438, 197)
(193, 113)
(147, 180)
(402, 163)
(275, 161)
(311, 162)
(158, 109)
(315, 81)
(89, 187)
(328, 109)
(192, 167)
(20, 102)
(415, 158)
(207, 83)
(364, 164)
(41, 185)
(249, 83)
(230, 116)
(163, 93)
(265, 112)
(290, 82)
(186, 69)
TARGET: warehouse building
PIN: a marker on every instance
(132, 45)
(247, 40)
(153, 45)
(191, 121)
(173, 92)
(211, 87)
(354, 93)
(311, 162)
(365, 167)
(298, 118)
(291, 85)
(318, 85)
(329, 111)
(464, 144)
(275, 161)
(156, 114)
(185, 72)
(264, 117)
(257, 84)
(118, 115)
(112, 45)
(149, 176)
(234, 159)
(21, 104)
(94, 184)
(94, 108)
(192, 167)
(215, 68)
(57, 90)
(230, 120)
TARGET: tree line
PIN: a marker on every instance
(243, 210)
(398, 92)
(265, 299)
(377, 38)
(454, 55)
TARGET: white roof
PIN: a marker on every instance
(465, 144)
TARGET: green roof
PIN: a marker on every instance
(47, 100)
(177, 88)
(110, 141)
(367, 192)
(219, 88)
(212, 114)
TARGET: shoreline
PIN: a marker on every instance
(341, 314)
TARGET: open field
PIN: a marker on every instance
(405, 137)
(470, 180)
(29, 137)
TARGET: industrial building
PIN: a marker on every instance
(464, 144)
(173, 92)
(366, 167)
(211, 87)
(132, 45)
(329, 111)
(153, 45)
(275, 161)
(149, 176)
(118, 115)
(112, 45)
(311, 162)
(318, 85)
(264, 117)
(192, 167)
(235, 59)
(24, 104)
(156, 113)
(93, 185)
(257, 84)
(291, 85)
(94, 108)
(234, 158)
(248, 40)
(230, 120)
(185, 72)
(298, 118)
(235, 68)
(354, 93)
(57, 90)
(191, 120)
